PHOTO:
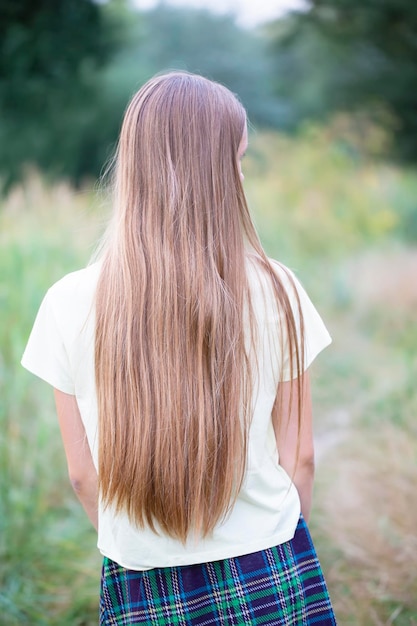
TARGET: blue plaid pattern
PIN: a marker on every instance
(280, 586)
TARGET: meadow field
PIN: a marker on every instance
(346, 223)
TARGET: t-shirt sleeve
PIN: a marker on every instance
(46, 354)
(316, 336)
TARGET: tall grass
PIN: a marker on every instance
(48, 567)
(339, 219)
(366, 515)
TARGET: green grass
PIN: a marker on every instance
(344, 222)
(49, 570)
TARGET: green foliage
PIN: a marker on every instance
(50, 52)
(43, 535)
(322, 194)
(344, 55)
(45, 43)
(70, 67)
(212, 45)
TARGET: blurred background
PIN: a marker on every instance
(330, 87)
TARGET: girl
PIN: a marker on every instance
(179, 361)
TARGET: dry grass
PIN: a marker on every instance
(386, 281)
(369, 505)
(66, 218)
(366, 515)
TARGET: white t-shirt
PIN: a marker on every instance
(60, 350)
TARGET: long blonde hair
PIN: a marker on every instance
(172, 372)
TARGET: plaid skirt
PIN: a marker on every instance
(280, 586)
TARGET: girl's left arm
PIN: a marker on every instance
(81, 470)
(295, 438)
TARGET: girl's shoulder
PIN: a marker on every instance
(260, 274)
(78, 284)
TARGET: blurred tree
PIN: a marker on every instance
(210, 44)
(345, 55)
(68, 68)
(50, 54)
